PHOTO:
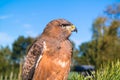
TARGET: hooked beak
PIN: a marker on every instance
(73, 29)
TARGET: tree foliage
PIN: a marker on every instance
(20, 47)
(5, 54)
(10, 59)
(105, 43)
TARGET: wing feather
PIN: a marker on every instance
(31, 59)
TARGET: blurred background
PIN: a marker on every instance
(96, 43)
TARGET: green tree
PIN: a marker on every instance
(10, 59)
(19, 48)
(5, 61)
(105, 43)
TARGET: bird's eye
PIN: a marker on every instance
(64, 25)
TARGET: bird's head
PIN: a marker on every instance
(59, 28)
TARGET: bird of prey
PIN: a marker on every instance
(49, 57)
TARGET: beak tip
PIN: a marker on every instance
(75, 30)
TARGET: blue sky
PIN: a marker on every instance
(29, 17)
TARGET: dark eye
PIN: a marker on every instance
(64, 25)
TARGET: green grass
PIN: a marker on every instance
(110, 71)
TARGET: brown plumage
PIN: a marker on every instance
(49, 57)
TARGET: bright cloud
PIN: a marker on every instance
(5, 17)
(27, 25)
(5, 39)
(31, 33)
